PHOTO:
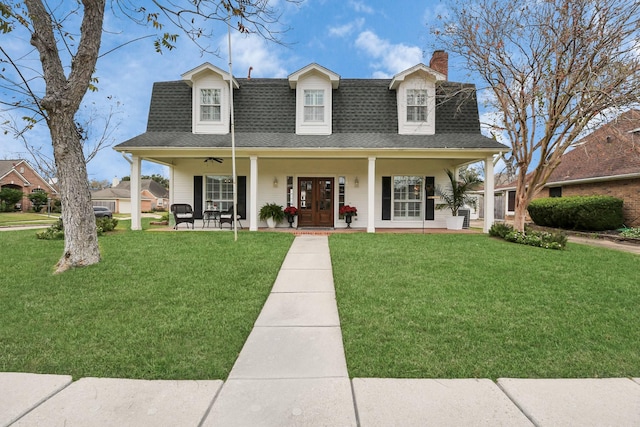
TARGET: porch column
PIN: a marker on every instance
(253, 195)
(489, 190)
(136, 189)
(371, 196)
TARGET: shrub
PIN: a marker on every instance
(105, 224)
(56, 231)
(8, 198)
(39, 199)
(631, 232)
(541, 239)
(500, 229)
(593, 213)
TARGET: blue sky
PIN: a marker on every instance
(353, 38)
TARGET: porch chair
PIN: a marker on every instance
(227, 217)
(182, 212)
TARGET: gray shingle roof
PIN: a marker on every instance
(364, 116)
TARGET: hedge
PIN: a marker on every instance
(589, 213)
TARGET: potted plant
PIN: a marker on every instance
(291, 212)
(348, 212)
(458, 195)
(272, 213)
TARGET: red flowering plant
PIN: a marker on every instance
(348, 210)
(291, 211)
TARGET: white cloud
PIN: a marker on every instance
(346, 29)
(389, 58)
(361, 7)
(252, 51)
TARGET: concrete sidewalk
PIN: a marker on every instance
(292, 372)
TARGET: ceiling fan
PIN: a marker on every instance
(214, 159)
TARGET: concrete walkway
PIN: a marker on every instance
(292, 372)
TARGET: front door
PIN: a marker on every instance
(315, 198)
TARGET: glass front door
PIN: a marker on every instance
(315, 199)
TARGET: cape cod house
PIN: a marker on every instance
(315, 141)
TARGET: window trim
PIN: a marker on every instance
(220, 203)
(420, 200)
(421, 107)
(314, 106)
(202, 105)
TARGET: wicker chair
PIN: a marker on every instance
(182, 212)
(226, 217)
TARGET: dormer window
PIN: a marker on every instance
(314, 86)
(416, 105)
(415, 91)
(314, 106)
(210, 100)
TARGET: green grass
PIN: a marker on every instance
(158, 305)
(460, 306)
(26, 218)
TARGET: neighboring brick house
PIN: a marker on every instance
(153, 196)
(20, 175)
(605, 162)
(315, 141)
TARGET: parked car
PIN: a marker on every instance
(101, 211)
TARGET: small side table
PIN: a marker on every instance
(208, 216)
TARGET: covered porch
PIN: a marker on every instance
(391, 189)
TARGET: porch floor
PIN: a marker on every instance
(198, 226)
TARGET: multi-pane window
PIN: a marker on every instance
(341, 193)
(219, 191)
(407, 197)
(416, 105)
(210, 100)
(313, 105)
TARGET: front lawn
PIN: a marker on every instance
(158, 306)
(465, 306)
(26, 218)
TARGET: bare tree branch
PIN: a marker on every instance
(553, 67)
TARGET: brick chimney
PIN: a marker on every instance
(440, 62)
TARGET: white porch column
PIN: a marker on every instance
(253, 195)
(371, 196)
(489, 190)
(136, 189)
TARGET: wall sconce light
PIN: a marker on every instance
(275, 181)
(356, 182)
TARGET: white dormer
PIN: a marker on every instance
(416, 94)
(210, 98)
(314, 85)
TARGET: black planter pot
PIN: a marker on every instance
(347, 219)
(291, 218)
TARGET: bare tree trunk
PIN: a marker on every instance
(61, 102)
(521, 200)
(81, 242)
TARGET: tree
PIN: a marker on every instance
(94, 184)
(9, 197)
(553, 68)
(68, 54)
(38, 200)
(156, 177)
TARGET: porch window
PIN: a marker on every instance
(210, 105)
(313, 105)
(416, 105)
(407, 197)
(290, 200)
(341, 193)
(219, 190)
